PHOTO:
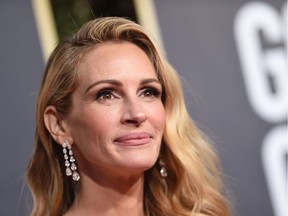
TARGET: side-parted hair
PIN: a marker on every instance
(192, 187)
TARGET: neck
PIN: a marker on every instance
(109, 195)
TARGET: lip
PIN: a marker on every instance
(134, 139)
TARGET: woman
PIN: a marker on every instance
(113, 135)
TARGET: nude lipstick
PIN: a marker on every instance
(134, 139)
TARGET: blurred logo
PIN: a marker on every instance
(260, 33)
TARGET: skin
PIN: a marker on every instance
(115, 128)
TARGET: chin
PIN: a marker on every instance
(142, 165)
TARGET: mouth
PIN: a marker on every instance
(133, 139)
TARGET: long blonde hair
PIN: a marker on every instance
(192, 187)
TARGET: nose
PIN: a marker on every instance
(133, 114)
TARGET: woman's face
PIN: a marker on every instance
(117, 118)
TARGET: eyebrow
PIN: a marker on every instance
(118, 83)
(109, 81)
(146, 81)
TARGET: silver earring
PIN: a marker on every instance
(70, 161)
(163, 169)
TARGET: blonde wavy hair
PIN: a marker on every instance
(192, 187)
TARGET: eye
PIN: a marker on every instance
(106, 94)
(150, 92)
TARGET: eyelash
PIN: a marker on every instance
(100, 95)
(152, 91)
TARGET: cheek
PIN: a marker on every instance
(91, 133)
(89, 124)
(158, 117)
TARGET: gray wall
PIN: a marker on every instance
(235, 82)
(240, 104)
(21, 64)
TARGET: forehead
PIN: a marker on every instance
(114, 59)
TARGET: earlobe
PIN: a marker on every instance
(52, 121)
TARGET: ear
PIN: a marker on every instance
(54, 124)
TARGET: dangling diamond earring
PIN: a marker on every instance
(163, 169)
(70, 161)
